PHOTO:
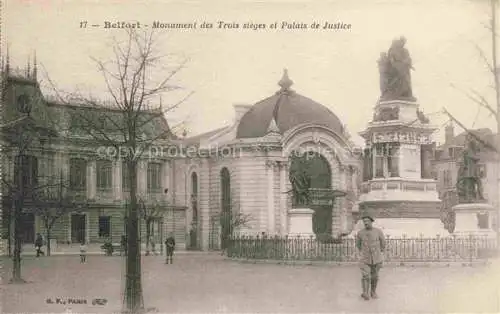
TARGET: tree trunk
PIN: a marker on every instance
(10, 233)
(18, 207)
(148, 235)
(16, 258)
(133, 298)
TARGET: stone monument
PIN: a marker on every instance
(398, 188)
(473, 214)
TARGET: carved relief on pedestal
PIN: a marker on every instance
(401, 136)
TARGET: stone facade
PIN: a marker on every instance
(257, 187)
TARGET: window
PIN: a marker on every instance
(226, 223)
(451, 152)
(393, 160)
(225, 190)
(104, 226)
(125, 177)
(28, 170)
(77, 174)
(367, 165)
(154, 177)
(379, 161)
(483, 221)
(194, 196)
(104, 174)
(386, 160)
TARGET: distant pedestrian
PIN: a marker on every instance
(370, 242)
(170, 248)
(38, 245)
(83, 252)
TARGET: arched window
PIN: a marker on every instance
(194, 196)
(225, 179)
(226, 219)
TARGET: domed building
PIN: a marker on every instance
(247, 169)
(285, 166)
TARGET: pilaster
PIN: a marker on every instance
(204, 203)
(283, 169)
(270, 166)
(91, 179)
(171, 181)
(117, 182)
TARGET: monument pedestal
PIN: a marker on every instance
(300, 222)
(467, 220)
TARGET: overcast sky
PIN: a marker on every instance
(335, 68)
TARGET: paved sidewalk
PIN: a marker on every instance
(210, 283)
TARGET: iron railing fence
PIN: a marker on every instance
(445, 249)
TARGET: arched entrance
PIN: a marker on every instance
(317, 169)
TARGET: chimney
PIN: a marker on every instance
(449, 134)
(240, 110)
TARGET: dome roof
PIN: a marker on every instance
(289, 109)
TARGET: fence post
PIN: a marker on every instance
(387, 248)
(471, 250)
(403, 245)
(438, 244)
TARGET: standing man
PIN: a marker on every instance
(170, 247)
(370, 243)
(39, 244)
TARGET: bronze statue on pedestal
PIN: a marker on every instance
(395, 72)
(469, 185)
(301, 182)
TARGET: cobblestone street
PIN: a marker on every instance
(207, 283)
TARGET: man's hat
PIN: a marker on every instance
(369, 217)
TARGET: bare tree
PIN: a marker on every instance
(20, 136)
(230, 221)
(52, 202)
(135, 78)
(449, 199)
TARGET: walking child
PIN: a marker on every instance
(83, 252)
(170, 247)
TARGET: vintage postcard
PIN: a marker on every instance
(286, 156)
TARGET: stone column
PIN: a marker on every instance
(339, 202)
(117, 180)
(283, 168)
(91, 179)
(271, 224)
